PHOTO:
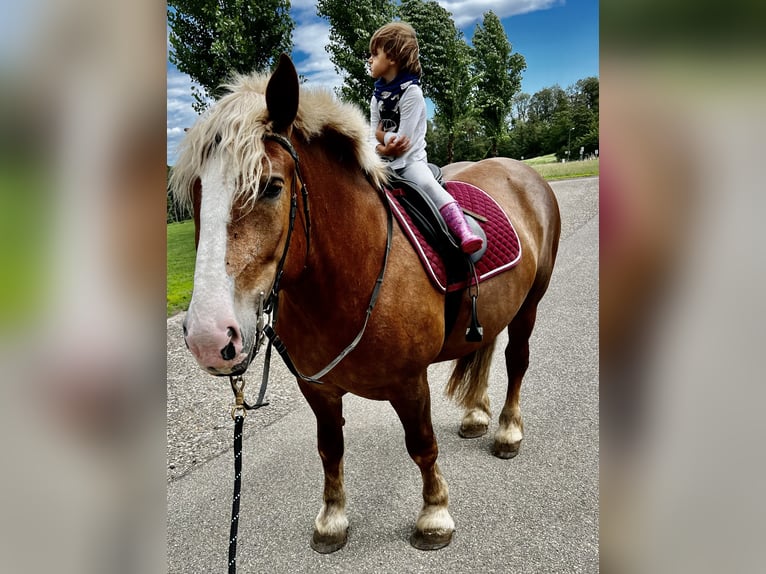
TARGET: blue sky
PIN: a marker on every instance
(558, 38)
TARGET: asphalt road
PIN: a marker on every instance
(535, 513)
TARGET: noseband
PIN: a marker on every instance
(269, 306)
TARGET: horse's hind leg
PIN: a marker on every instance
(511, 430)
(434, 526)
(468, 386)
(331, 524)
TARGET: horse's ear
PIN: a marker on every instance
(282, 94)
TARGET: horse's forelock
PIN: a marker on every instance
(234, 128)
(236, 124)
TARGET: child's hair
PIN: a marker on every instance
(399, 42)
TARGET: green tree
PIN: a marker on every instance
(556, 121)
(469, 141)
(175, 211)
(521, 106)
(549, 121)
(498, 75)
(585, 94)
(475, 144)
(211, 39)
(445, 58)
(583, 97)
(544, 105)
(351, 27)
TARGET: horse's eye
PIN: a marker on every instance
(272, 190)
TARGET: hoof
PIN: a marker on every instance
(431, 540)
(325, 544)
(473, 430)
(504, 450)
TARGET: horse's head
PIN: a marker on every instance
(239, 179)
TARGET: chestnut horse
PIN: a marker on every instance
(285, 189)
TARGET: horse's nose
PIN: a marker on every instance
(230, 350)
(215, 348)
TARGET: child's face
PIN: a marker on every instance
(381, 66)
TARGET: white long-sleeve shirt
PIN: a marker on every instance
(412, 123)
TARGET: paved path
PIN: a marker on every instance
(535, 513)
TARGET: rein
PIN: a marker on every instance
(271, 305)
(268, 307)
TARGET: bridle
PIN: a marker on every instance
(268, 306)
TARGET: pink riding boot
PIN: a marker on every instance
(455, 220)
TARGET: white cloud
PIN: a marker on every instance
(180, 113)
(304, 6)
(467, 12)
(309, 40)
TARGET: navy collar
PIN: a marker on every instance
(389, 93)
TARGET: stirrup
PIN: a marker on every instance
(475, 332)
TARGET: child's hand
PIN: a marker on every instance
(380, 133)
(395, 147)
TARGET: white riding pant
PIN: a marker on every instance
(420, 173)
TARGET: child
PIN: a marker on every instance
(398, 115)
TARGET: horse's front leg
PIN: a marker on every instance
(331, 524)
(434, 527)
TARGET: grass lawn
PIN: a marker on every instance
(550, 169)
(25, 243)
(181, 252)
(181, 255)
(541, 159)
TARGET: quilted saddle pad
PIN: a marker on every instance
(503, 246)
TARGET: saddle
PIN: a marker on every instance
(425, 215)
(449, 269)
(430, 223)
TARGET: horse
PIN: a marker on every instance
(285, 189)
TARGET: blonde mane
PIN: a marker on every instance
(237, 123)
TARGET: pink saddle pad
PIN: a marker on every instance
(503, 247)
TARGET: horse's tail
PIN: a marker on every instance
(468, 383)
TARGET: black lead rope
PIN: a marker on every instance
(238, 425)
(238, 413)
